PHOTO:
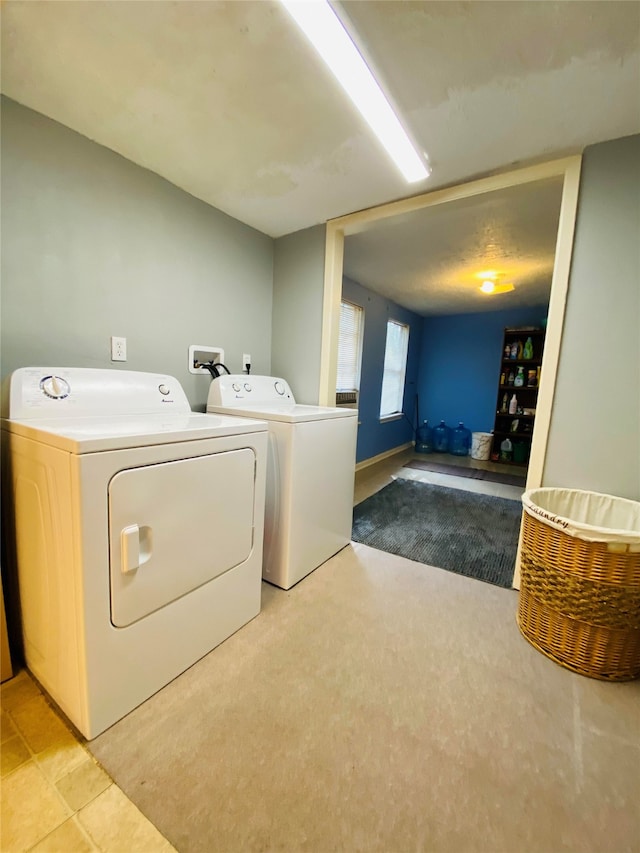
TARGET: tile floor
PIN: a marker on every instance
(55, 797)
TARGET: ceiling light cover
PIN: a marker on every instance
(492, 288)
(327, 34)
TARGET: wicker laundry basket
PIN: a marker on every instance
(580, 581)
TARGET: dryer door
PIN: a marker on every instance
(175, 526)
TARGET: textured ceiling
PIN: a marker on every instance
(430, 260)
(228, 101)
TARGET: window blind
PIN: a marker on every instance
(395, 365)
(349, 347)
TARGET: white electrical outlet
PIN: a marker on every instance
(246, 360)
(118, 349)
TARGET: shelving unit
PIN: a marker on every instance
(517, 427)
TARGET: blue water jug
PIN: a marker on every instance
(424, 441)
(441, 438)
(460, 440)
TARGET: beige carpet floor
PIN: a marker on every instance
(383, 705)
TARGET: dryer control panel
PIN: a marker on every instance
(46, 392)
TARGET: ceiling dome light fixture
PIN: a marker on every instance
(490, 284)
(493, 288)
(327, 34)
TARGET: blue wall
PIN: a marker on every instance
(460, 365)
(375, 437)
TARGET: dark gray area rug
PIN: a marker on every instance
(463, 532)
(471, 473)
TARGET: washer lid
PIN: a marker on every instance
(291, 413)
(117, 432)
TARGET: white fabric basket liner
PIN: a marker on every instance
(591, 516)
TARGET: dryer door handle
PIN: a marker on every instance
(130, 548)
(136, 545)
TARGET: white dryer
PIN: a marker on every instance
(310, 472)
(138, 532)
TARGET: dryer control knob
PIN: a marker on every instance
(55, 387)
(279, 388)
(163, 389)
(247, 387)
(235, 386)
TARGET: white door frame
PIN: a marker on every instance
(338, 229)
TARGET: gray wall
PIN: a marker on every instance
(94, 246)
(594, 440)
(298, 287)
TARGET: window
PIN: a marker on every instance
(350, 347)
(395, 365)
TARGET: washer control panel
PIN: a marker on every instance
(236, 390)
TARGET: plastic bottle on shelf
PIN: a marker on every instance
(506, 450)
(519, 378)
(441, 438)
(424, 441)
(505, 404)
(460, 440)
(513, 405)
(528, 349)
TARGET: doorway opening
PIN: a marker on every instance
(443, 207)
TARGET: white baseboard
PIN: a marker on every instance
(372, 461)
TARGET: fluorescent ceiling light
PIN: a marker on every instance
(326, 33)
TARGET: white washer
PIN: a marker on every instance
(310, 473)
(138, 532)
